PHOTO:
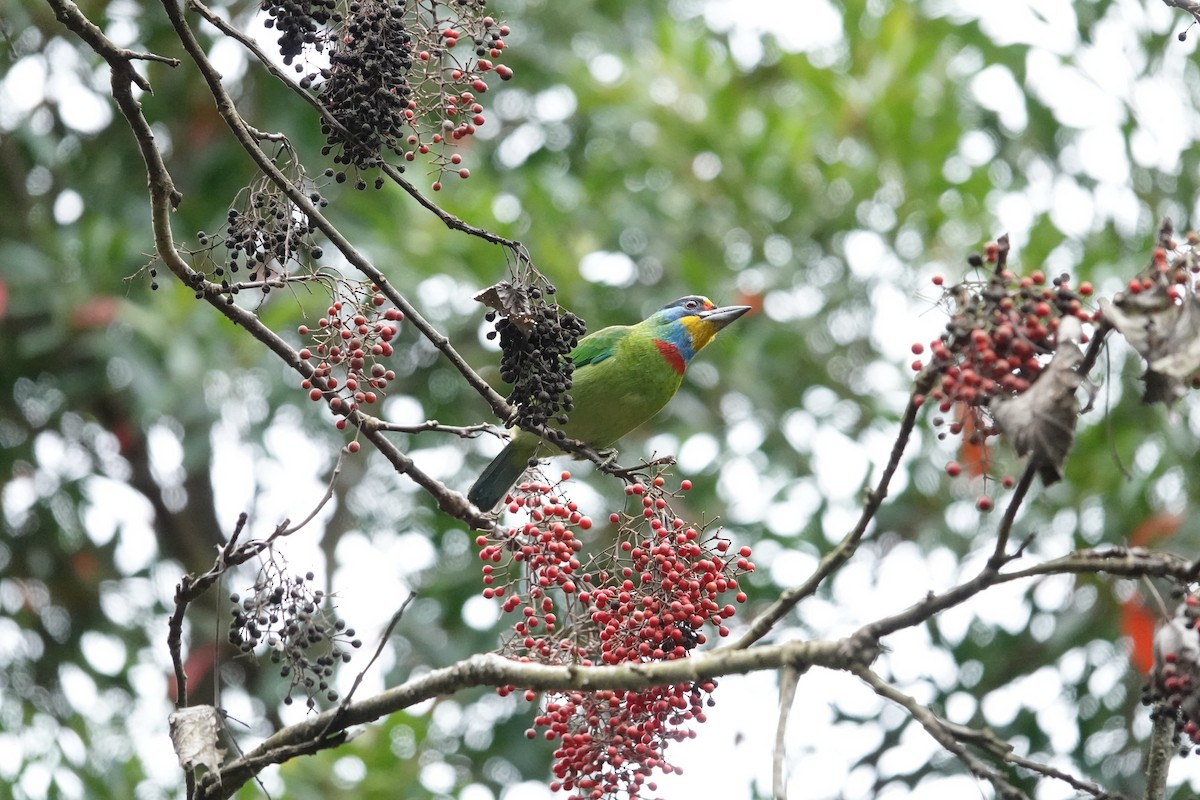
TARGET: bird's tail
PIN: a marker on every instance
(500, 475)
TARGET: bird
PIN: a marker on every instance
(624, 375)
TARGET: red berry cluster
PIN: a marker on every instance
(445, 108)
(1174, 688)
(611, 741)
(347, 345)
(1173, 269)
(1156, 315)
(1000, 336)
(644, 598)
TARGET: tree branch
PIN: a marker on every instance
(934, 727)
(449, 220)
(449, 501)
(165, 198)
(1189, 6)
(493, 670)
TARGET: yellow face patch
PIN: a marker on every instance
(701, 332)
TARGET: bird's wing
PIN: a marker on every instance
(596, 347)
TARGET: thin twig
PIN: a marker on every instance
(462, 431)
(934, 727)
(834, 559)
(325, 498)
(383, 640)
(1158, 759)
(992, 745)
(1000, 555)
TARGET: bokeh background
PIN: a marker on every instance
(820, 161)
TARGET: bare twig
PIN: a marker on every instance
(186, 591)
(118, 58)
(934, 727)
(834, 559)
(383, 640)
(283, 530)
(1045, 770)
(1158, 759)
(462, 431)
(1188, 6)
(1000, 555)
(984, 739)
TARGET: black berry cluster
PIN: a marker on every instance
(397, 80)
(535, 359)
(300, 23)
(286, 615)
(368, 88)
(264, 239)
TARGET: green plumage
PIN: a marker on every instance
(624, 375)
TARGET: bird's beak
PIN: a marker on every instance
(720, 317)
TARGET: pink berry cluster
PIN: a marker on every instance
(347, 346)
(999, 338)
(1174, 688)
(644, 598)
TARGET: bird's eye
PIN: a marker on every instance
(691, 305)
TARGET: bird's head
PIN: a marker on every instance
(690, 323)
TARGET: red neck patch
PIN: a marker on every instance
(671, 353)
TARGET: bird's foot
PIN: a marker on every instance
(608, 456)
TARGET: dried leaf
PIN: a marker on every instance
(1181, 357)
(511, 301)
(1040, 421)
(194, 733)
(1163, 332)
